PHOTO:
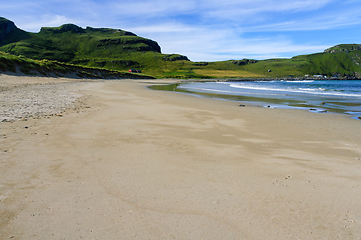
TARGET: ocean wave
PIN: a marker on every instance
(270, 90)
(301, 81)
(268, 81)
(314, 89)
(206, 89)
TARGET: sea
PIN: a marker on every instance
(319, 96)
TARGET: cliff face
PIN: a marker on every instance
(6, 27)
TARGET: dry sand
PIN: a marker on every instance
(126, 162)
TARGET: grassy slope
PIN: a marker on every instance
(12, 63)
(106, 48)
(340, 63)
(120, 50)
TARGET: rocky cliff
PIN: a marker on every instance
(6, 27)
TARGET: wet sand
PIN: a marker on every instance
(127, 162)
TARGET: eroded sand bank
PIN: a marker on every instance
(133, 163)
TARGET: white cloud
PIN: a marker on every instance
(209, 44)
(258, 6)
(319, 22)
(45, 21)
(150, 9)
(170, 27)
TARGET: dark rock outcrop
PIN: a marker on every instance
(200, 64)
(175, 57)
(110, 30)
(344, 48)
(63, 28)
(244, 61)
(6, 27)
(149, 45)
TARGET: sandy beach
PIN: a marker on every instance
(116, 160)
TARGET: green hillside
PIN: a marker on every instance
(119, 50)
(340, 61)
(94, 47)
(21, 64)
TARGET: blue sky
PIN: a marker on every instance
(209, 30)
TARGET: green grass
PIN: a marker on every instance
(12, 63)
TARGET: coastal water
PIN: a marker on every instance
(335, 96)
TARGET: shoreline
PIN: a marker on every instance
(136, 163)
(296, 102)
(265, 79)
